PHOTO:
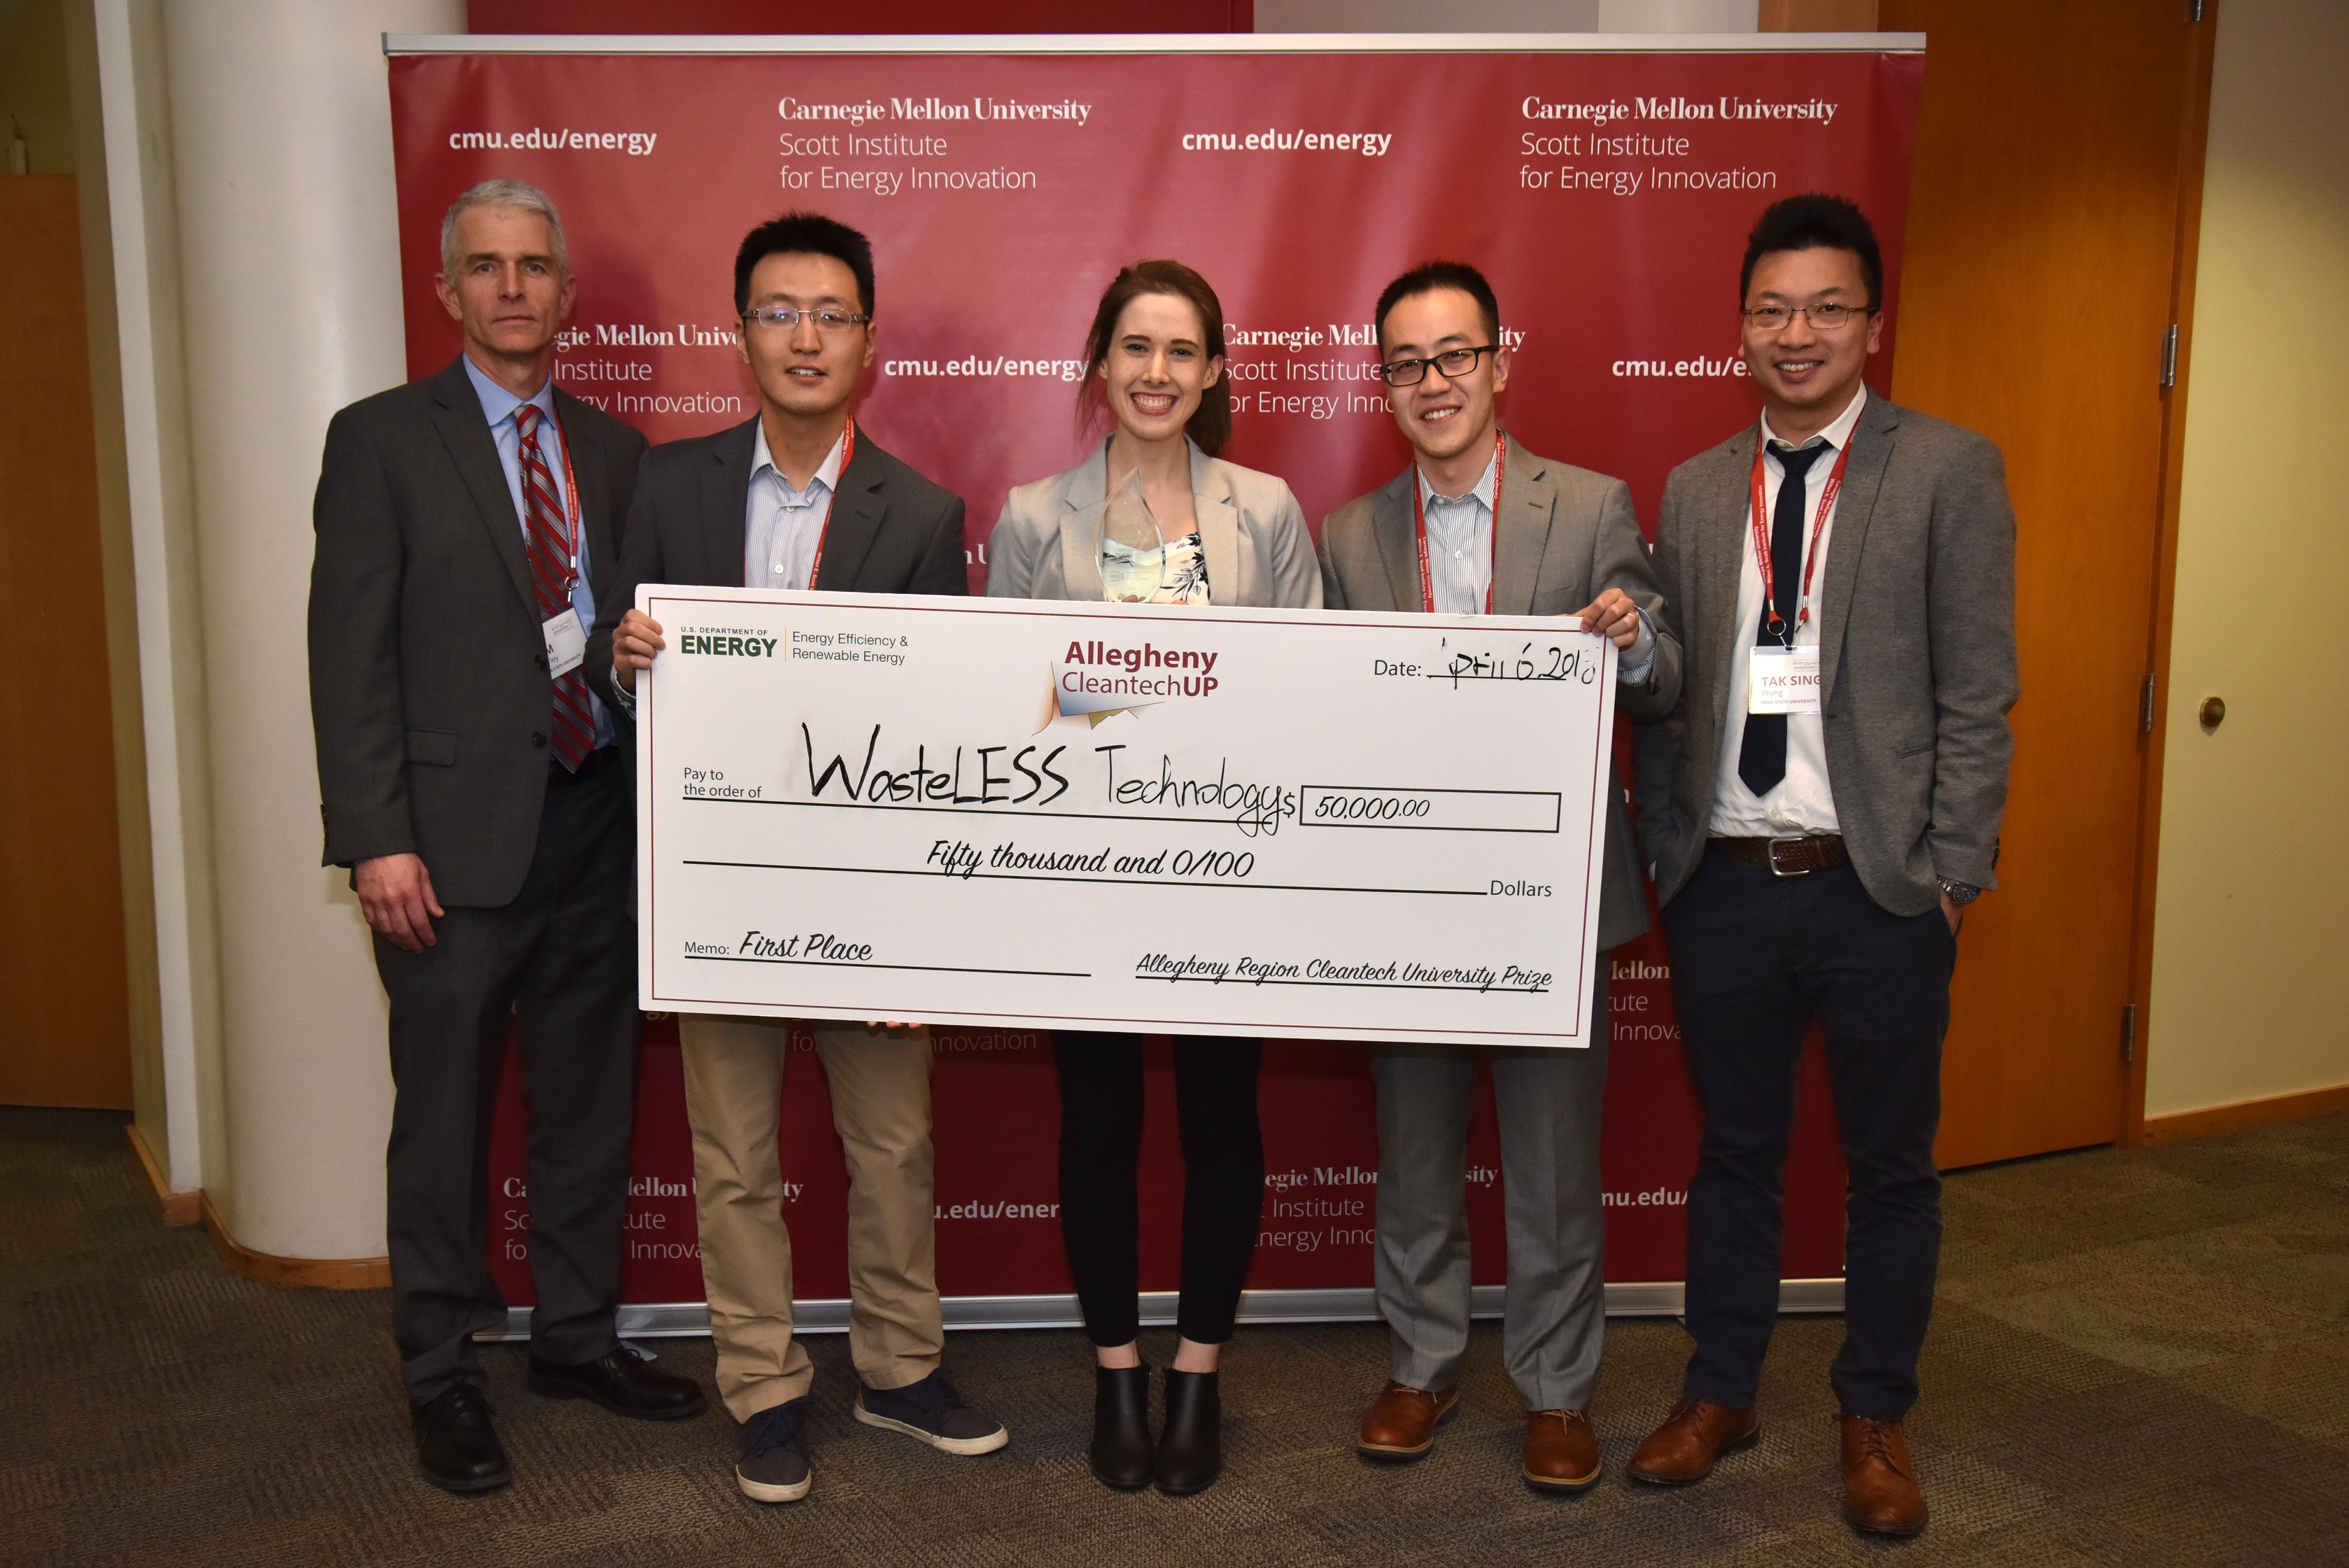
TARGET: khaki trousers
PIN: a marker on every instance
(880, 1083)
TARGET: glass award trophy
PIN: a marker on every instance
(1133, 553)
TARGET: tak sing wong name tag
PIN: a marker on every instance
(1067, 816)
(1784, 680)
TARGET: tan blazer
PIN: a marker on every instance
(1565, 535)
(1046, 545)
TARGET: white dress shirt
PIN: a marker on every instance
(1460, 562)
(1800, 803)
(781, 526)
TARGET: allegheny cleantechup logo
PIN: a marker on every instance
(1097, 680)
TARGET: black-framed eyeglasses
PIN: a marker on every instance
(1453, 362)
(1826, 317)
(828, 320)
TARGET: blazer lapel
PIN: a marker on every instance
(1522, 513)
(725, 509)
(1083, 490)
(1217, 512)
(1871, 455)
(457, 412)
(857, 508)
(1397, 542)
(1724, 535)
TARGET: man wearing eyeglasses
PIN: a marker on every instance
(1478, 525)
(800, 497)
(1820, 809)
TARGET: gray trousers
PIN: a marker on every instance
(1553, 1323)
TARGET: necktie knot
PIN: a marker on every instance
(526, 419)
(1797, 460)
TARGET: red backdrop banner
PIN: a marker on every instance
(1606, 193)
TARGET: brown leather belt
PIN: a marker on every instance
(1786, 857)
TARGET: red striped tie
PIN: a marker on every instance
(550, 564)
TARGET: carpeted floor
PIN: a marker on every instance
(2140, 1358)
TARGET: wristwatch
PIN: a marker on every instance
(1959, 893)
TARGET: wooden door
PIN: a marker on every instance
(65, 1033)
(2049, 224)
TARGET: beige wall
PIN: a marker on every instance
(2250, 987)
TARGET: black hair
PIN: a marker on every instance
(1816, 220)
(1429, 276)
(811, 233)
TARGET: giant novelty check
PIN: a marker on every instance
(1085, 815)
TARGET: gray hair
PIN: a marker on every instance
(512, 195)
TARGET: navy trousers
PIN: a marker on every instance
(1755, 959)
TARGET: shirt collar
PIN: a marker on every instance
(1837, 434)
(1481, 489)
(498, 404)
(827, 474)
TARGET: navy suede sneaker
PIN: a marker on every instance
(931, 1412)
(774, 1463)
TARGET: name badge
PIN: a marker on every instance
(1784, 680)
(566, 644)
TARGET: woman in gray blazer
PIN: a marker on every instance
(1154, 364)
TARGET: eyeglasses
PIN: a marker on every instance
(1453, 362)
(1822, 317)
(828, 321)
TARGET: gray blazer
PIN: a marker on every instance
(1917, 666)
(1563, 536)
(428, 693)
(1045, 545)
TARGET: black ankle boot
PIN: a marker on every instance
(1191, 1449)
(1122, 1449)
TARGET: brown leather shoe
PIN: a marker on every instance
(1401, 1422)
(1695, 1434)
(1561, 1450)
(1880, 1484)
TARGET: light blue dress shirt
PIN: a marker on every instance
(499, 406)
(1460, 563)
(781, 526)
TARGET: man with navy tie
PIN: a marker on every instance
(1820, 807)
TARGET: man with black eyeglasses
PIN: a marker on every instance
(1820, 809)
(1478, 525)
(799, 497)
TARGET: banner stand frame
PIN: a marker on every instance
(690, 1319)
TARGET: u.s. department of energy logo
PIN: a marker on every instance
(1097, 680)
(728, 642)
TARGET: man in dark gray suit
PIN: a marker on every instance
(1820, 809)
(469, 778)
(798, 496)
(1478, 524)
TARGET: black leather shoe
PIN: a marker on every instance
(1191, 1449)
(456, 1446)
(1122, 1452)
(621, 1381)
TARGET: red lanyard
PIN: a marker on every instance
(1419, 521)
(570, 507)
(1810, 553)
(847, 451)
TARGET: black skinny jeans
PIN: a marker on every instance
(1222, 1182)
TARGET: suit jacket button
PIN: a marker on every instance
(537, 739)
(539, 659)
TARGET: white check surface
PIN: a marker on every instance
(1049, 815)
